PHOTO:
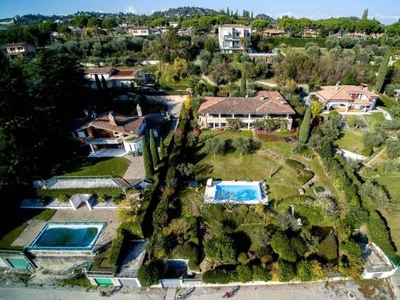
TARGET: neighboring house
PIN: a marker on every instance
(111, 131)
(347, 96)
(274, 32)
(141, 31)
(229, 38)
(215, 111)
(119, 78)
(377, 264)
(16, 50)
(310, 33)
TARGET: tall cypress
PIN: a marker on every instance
(305, 126)
(153, 149)
(163, 153)
(98, 83)
(147, 161)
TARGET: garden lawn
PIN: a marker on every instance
(374, 118)
(352, 140)
(85, 166)
(280, 179)
(391, 181)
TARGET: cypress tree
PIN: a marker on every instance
(98, 83)
(153, 150)
(305, 126)
(243, 86)
(163, 153)
(383, 71)
(147, 161)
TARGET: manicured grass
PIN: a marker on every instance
(8, 239)
(282, 183)
(374, 118)
(391, 183)
(85, 166)
(352, 140)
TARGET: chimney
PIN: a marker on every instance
(111, 117)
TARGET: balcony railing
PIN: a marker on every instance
(104, 141)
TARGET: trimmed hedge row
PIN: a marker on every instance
(63, 195)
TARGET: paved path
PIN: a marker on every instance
(303, 291)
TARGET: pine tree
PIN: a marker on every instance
(163, 153)
(305, 126)
(147, 161)
(153, 149)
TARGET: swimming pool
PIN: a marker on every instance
(69, 236)
(242, 192)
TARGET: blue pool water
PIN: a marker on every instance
(238, 192)
(68, 236)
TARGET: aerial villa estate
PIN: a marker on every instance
(238, 192)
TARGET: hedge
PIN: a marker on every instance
(64, 194)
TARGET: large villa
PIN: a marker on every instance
(216, 111)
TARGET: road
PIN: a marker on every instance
(310, 291)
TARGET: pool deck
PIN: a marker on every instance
(211, 189)
(82, 214)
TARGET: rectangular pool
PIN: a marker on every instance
(68, 236)
(241, 192)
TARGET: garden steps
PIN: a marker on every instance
(265, 151)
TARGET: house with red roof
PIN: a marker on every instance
(347, 96)
(110, 133)
(216, 111)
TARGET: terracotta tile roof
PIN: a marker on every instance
(265, 102)
(344, 92)
(125, 124)
(274, 31)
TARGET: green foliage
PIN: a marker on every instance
(382, 73)
(305, 126)
(298, 245)
(163, 153)
(244, 273)
(379, 232)
(215, 145)
(65, 194)
(233, 124)
(261, 272)
(328, 248)
(294, 164)
(217, 276)
(285, 270)
(153, 149)
(150, 272)
(304, 271)
(187, 251)
(280, 243)
(221, 249)
(243, 146)
(147, 159)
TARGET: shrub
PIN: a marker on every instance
(150, 272)
(244, 273)
(261, 272)
(328, 248)
(367, 151)
(217, 276)
(295, 165)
